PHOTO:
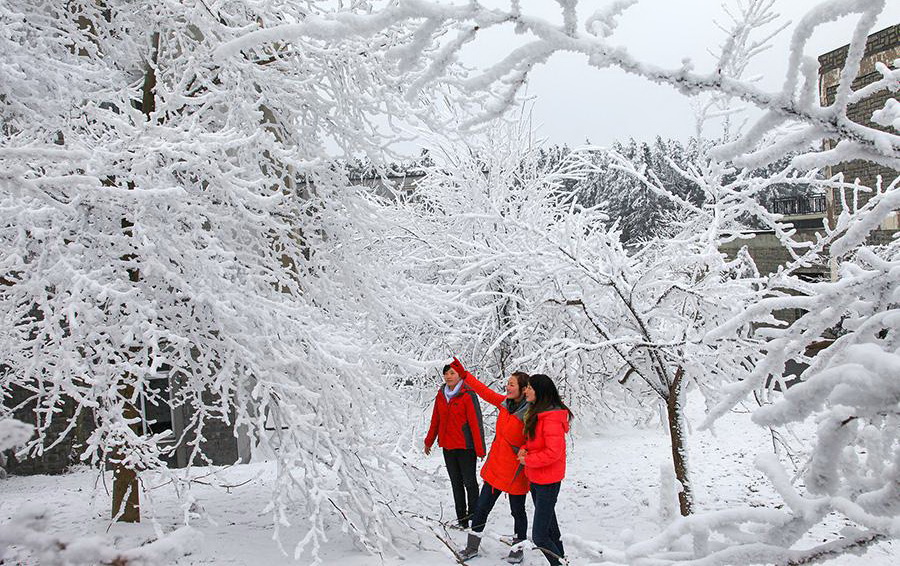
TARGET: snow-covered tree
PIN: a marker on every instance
(153, 221)
(641, 214)
(469, 227)
(792, 123)
(529, 275)
(841, 479)
(170, 210)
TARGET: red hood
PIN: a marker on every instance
(560, 415)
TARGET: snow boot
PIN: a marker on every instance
(471, 550)
(516, 555)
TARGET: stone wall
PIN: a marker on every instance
(769, 255)
(220, 444)
(59, 458)
(881, 47)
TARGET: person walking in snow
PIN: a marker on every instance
(544, 458)
(457, 424)
(501, 472)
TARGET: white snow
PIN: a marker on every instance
(209, 232)
(610, 500)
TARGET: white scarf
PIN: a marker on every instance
(451, 393)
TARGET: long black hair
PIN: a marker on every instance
(546, 396)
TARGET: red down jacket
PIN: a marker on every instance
(501, 469)
(457, 423)
(545, 461)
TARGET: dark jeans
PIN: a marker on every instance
(486, 502)
(545, 530)
(461, 469)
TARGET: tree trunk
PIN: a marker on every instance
(126, 501)
(125, 498)
(125, 484)
(677, 435)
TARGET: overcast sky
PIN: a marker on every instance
(574, 103)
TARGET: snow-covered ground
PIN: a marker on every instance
(611, 495)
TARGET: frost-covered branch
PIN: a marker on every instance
(176, 233)
(796, 102)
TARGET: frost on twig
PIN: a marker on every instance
(442, 28)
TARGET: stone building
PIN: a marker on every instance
(807, 213)
(881, 47)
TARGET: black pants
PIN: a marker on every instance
(461, 469)
(486, 501)
(545, 530)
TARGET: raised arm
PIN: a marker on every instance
(483, 391)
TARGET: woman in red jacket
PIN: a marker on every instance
(544, 457)
(501, 472)
(457, 425)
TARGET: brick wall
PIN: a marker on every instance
(878, 42)
(881, 47)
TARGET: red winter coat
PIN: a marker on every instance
(545, 461)
(502, 469)
(457, 424)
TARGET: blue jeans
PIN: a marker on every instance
(545, 530)
(486, 500)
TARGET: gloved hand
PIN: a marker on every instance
(457, 366)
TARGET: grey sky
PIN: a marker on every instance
(574, 102)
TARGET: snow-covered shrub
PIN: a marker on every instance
(25, 536)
